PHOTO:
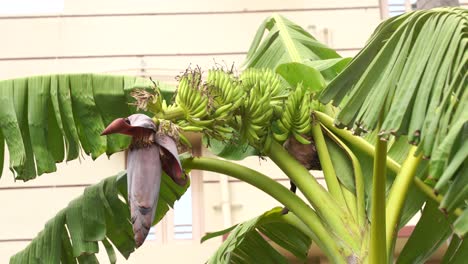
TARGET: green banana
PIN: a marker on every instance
(300, 139)
(223, 109)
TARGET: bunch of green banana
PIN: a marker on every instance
(267, 80)
(296, 118)
(255, 116)
(226, 93)
(191, 99)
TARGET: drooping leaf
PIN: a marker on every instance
(457, 252)
(65, 110)
(246, 244)
(111, 103)
(425, 238)
(110, 251)
(87, 118)
(399, 51)
(57, 136)
(10, 128)
(99, 215)
(38, 95)
(75, 223)
(94, 229)
(457, 193)
(46, 119)
(20, 90)
(88, 259)
(211, 235)
(413, 74)
(2, 151)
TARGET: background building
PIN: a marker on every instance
(158, 39)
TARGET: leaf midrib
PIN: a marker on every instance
(286, 39)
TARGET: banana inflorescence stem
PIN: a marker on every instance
(327, 166)
(338, 219)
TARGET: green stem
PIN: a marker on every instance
(398, 194)
(336, 217)
(430, 192)
(277, 191)
(354, 140)
(378, 250)
(368, 149)
(327, 165)
(358, 180)
(173, 113)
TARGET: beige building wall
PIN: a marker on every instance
(158, 39)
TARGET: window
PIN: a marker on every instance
(183, 220)
(177, 224)
(392, 8)
(183, 224)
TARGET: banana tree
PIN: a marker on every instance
(387, 127)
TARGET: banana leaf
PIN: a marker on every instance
(425, 239)
(47, 119)
(279, 41)
(97, 216)
(248, 241)
(413, 72)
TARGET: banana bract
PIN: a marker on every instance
(149, 154)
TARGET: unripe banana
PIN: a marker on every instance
(281, 137)
(222, 109)
(201, 110)
(202, 123)
(192, 129)
(300, 139)
(222, 129)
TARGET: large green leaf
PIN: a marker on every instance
(247, 243)
(457, 252)
(284, 42)
(45, 119)
(430, 232)
(297, 73)
(11, 128)
(413, 72)
(97, 216)
(329, 68)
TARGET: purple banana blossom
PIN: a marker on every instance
(148, 154)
